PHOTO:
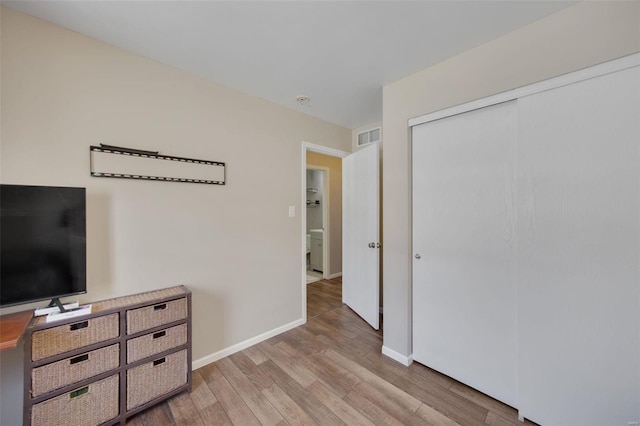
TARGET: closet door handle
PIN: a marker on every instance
(418, 256)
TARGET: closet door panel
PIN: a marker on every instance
(464, 290)
(578, 252)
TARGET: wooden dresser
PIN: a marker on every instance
(127, 355)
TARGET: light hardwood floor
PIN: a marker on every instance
(328, 372)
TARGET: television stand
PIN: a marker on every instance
(55, 306)
(128, 354)
(56, 302)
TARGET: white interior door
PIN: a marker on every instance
(360, 234)
(464, 275)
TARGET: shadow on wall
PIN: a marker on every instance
(99, 246)
(215, 332)
(11, 368)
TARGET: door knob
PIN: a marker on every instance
(378, 245)
(372, 245)
(418, 256)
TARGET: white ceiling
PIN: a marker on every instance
(339, 53)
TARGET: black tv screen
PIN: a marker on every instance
(42, 243)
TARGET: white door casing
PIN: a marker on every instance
(360, 235)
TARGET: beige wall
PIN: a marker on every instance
(579, 36)
(234, 246)
(334, 164)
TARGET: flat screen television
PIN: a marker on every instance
(42, 243)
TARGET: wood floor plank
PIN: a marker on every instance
(323, 296)
(338, 406)
(336, 371)
(210, 409)
(345, 347)
(331, 326)
(255, 354)
(373, 412)
(350, 317)
(434, 417)
(305, 400)
(237, 411)
(160, 415)
(293, 414)
(358, 326)
(389, 390)
(421, 375)
(299, 373)
(386, 363)
(395, 406)
(309, 340)
(255, 400)
(251, 370)
(304, 345)
(210, 373)
(454, 406)
(338, 381)
(184, 410)
(376, 366)
(498, 408)
(294, 353)
(156, 415)
(355, 345)
(217, 416)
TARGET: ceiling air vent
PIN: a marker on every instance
(370, 136)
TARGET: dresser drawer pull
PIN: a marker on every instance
(159, 361)
(159, 334)
(79, 392)
(79, 325)
(160, 307)
(79, 359)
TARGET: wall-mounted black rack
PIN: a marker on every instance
(111, 161)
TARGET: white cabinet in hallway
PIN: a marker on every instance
(316, 249)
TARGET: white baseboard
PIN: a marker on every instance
(396, 356)
(243, 345)
(336, 275)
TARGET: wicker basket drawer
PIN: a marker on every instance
(154, 315)
(154, 343)
(56, 340)
(91, 405)
(67, 371)
(156, 378)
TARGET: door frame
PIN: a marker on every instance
(332, 152)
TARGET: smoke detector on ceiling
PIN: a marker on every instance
(302, 100)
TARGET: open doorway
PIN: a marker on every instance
(317, 215)
(321, 258)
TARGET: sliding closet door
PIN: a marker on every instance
(464, 290)
(578, 255)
